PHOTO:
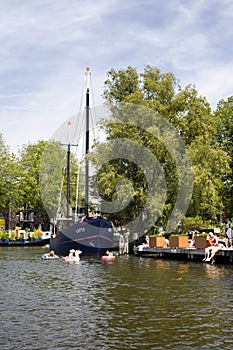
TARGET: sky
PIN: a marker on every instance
(47, 44)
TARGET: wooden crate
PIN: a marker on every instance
(152, 242)
(159, 242)
(201, 242)
(156, 242)
(178, 241)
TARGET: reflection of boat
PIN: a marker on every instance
(92, 235)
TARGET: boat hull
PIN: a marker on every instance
(32, 243)
(92, 238)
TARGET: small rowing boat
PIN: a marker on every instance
(108, 257)
(47, 256)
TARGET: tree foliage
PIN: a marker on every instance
(10, 188)
(36, 179)
(189, 113)
(30, 158)
(224, 115)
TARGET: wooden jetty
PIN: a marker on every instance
(223, 256)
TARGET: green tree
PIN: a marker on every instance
(10, 181)
(189, 113)
(30, 159)
(224, 114)
(4, 174)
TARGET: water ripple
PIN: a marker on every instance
(131, 304)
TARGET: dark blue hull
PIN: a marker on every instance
(32, 243)
(92, 238)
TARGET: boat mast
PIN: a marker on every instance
(68, 183)
(68, 174)
(87, 142)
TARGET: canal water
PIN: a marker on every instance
(130, 303)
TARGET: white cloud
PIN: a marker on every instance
(46, 44)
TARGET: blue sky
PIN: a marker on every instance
(46, 45)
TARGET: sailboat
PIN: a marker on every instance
(93, 234)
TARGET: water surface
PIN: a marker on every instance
(130, 303)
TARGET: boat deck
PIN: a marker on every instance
(224, 256)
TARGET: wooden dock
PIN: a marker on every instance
(224, 256)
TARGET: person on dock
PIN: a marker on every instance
(229, 235)
(218, 244)
(193, 240)
(213, 241)
(166, 243)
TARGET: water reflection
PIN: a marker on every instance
(132, 303)
(214, 271)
